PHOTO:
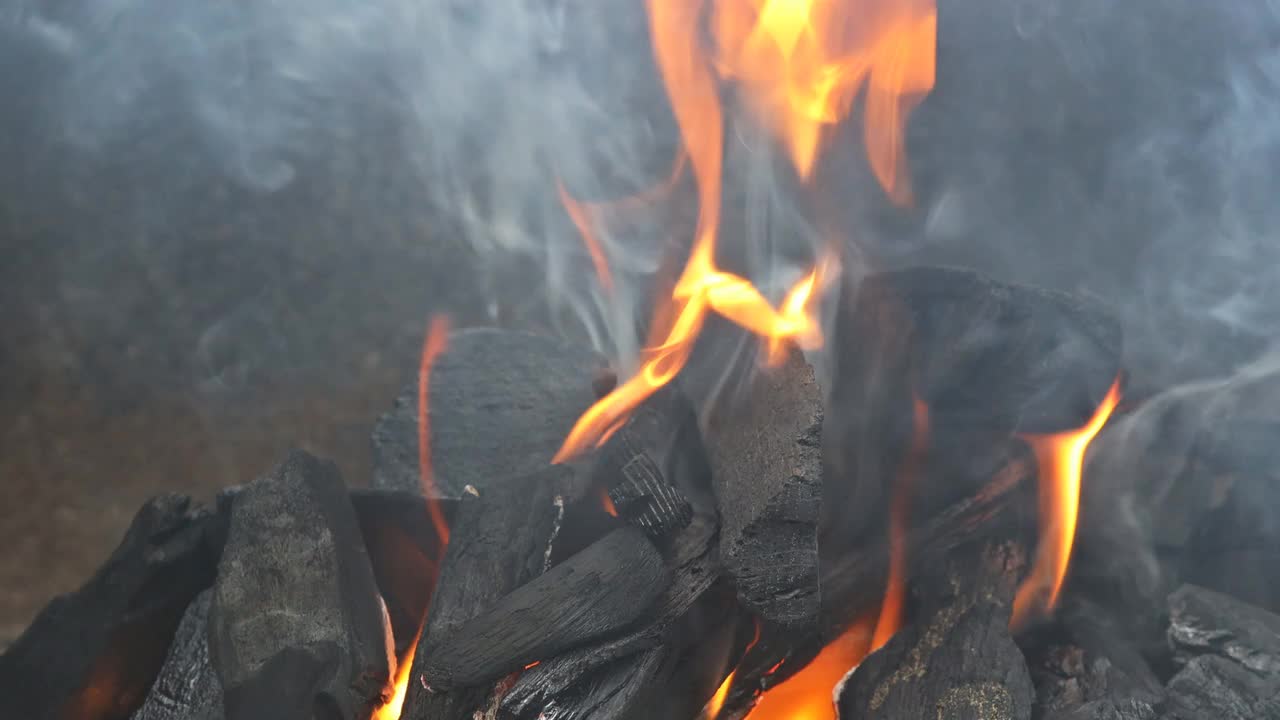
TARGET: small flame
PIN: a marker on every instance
(578, 214)
(1060, 459)
(391, 709)
(606, 502)
(807, 695)
(891, 608)
(435, 343)
(712, 710)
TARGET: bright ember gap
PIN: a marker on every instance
(807, 695)
(1060, 462)
(801, 63)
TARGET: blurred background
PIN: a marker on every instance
(223, 228)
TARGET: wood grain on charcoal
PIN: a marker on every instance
(591, 594)
(296, 625)
(690, 555)
(956, 660)
(500, 541)
(766, 468)
(93, 654)
(187, 687)
(501, 403)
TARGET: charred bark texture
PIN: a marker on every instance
(404, 550)
(653, 463)
(500, 405)
(594, 593)
(296, 626)
(500, 541)
(187, 687)
(957, 660)
(691, 557)
(93, 654)
(987, 359)
(766, 467)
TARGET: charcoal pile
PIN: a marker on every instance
(705, 562)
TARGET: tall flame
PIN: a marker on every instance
(434, 345)
(801, 62)
(1060, 459)
(891, 608)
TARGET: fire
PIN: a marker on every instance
(891, 607)
(1060, 459)
(712, 710)
(807, 695)
(435, 343)
(801, 62)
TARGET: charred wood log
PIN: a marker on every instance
(500, 405)
(1205, 622)
(957, 660)
(298, 627)
(594, 593)
(500, 541)
(93, 654)
(766, 466)
(187, 687)
(404, 550)
(691, 557)
(1215, 687)
(988, 359)
(654, 464)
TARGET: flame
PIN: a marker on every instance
(606, 502)
(891, 608)
(578, 214)
(435, 343)
(1060, 459)
(807, 695)
(801, 62)
(712, 710)
(391, 709)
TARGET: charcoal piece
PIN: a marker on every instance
(501, 540)
(957, 660)
(986, 358)
(93, 654)
(501, 403)
(295, 622)
(187, 687)
(766, 466)
(691, 556)
(404, 549)
(1077, 684)
(1205, 622)
(593, 593)
(653, 463)
(1215, 687)
(853, 582)
(609, 693)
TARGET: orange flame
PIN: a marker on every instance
(802, 62)
(1060, 459)
(606, 502)
(807, 694)
(891, 608)
(391, 709)
(712, 710)
(435, 343)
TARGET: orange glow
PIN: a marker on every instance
(578, 214)
(1059, 459)
(433, 346)
(712, 710)
(391, 709)
(803, 63)
(891, 608)
(606, 502)
(807, 694)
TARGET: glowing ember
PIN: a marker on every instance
(807, 695)
(606, 502)
(1060, 458)
(899, 522)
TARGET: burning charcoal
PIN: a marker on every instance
(591, 594)
(295, 622)
(187, 687)
(500, 405)
(93, 654)
(957, 660)
(1204, 622)
(986, 358)
(500, 541)
(404, 548)
(653, 462)
(766, 467)
(691, 558)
